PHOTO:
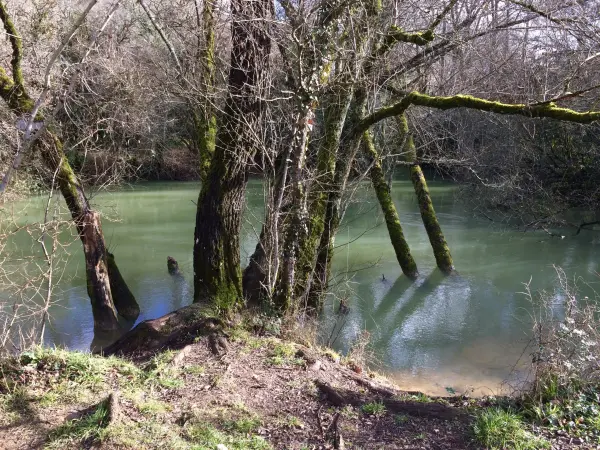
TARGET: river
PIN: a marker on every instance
(466, 333)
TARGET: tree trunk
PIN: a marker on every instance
(98, 282)
(437, 240)
(330, 214)
(123, 298)
(217, 273)
(298, 227)
(392, 221)
(206, 120)
(89, 229)
(254, 278)
(320, 246)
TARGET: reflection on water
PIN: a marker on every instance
(464, 332)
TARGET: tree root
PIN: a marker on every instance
(173, 329)
(342, 397)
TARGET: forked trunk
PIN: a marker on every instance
(217, 272)
(89, 228)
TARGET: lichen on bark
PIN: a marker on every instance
(436, 237)
(392, 220)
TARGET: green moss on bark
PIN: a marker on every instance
(538, 110)
(438, 242)
(207, 120)
(392, 220)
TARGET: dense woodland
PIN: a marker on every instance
(312, 96)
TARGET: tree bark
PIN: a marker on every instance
(217, 273)
(437, 240)
(392, 221)
(318, 249)
(331, 211)
(123, 298)
(206, 120)
(441, 251)
(89, 229)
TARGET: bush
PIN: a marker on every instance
(565, 393)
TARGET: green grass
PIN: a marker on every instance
(421, 398)
(294, 422)
(86, 430)
(499, 429)
(283, 354)
(16, 405)
(151, 406)
(194, 370)
(206, 437)
(374, 409)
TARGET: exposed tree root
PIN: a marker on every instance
(171, 329)
(343, 397)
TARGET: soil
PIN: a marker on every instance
(303, 398)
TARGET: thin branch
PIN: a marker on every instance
(162, 35)
(33, 123)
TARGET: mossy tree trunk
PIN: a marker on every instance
(217, 272)
(86, 220)
(299, 247)
(297, 227)
(206, 120)
(392, 221)
(330, 215)
(89, 228)
(441, 251)
(317, 249)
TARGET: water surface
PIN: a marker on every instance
(466, 332)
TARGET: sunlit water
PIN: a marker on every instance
(466, 332)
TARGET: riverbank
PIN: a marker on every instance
(252, 392)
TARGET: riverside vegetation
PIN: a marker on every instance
(261, 391)
(315, 97)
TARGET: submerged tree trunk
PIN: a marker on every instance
(438, 242)
(441, 251)
(331, 213)
(89, 229)
(217, 273)
(392, 221)
(123, 298)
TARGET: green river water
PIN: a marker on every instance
(468, 332)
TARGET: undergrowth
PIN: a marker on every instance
(564, 396)
(499, 429)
